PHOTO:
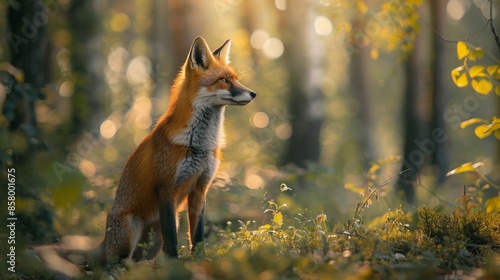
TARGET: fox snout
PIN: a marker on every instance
(240, 94)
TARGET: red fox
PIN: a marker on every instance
(173, 167)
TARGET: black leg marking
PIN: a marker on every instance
(169, 229)
(199, 232)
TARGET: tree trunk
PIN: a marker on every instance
(303, 58)
(413, 122)
(184, 21)
(27, 21)
(87, 65)
(359, 87)
(438, 69)
(159, 53)
(27, 46)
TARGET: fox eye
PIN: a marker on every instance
(224, 80)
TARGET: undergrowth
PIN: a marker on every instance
(313, 246)
(427, 243)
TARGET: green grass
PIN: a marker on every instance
(285, 242)
(427, 244)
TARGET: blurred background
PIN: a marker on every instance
(349, 94)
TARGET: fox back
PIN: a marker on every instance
(174, 165)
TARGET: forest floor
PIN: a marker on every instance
(425, 244)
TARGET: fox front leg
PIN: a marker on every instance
(168, 221)
(196, 209)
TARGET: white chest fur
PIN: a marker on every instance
(202, 136)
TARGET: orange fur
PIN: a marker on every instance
(174, 165)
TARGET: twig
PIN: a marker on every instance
(488, 181)
(347, 233)
(492, 25)
(455, 41)
(436, 196)
(473, 36)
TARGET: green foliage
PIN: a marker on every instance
(314, 246)
(283, 243)
(20, 148)
(389, 26)
(467, 233)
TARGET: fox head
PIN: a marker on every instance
(215, 81)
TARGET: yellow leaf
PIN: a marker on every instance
(374, 54)
(497, 134)
(475, 54)
(493, 204)
(477, 71)
(466, 123)
(462, 50)
(459, 78)
(482, 86)
(497, 90)
(278, 219)
(466, 167)
(493, 126)
(265, 227)
(492, 69)
(363, 9)
(352, 187)
(387, 6)
(374, 168)
(481, 132)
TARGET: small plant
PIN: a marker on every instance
(274, 208)
(307, 245)
(480, 185)
(145, 247)
(462, 237)
(372, 191)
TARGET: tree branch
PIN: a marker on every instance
(492, 25)
(442, 37)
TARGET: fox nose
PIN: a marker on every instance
(253, 94)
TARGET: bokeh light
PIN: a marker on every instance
(143, 104)
(254, 181)
(258, 38)
(87, 168)
(260, 120)
(119, 22)
(273, 48)
(455, 9)
(117, 59)
(138, 70)
(143, 121)
(280, 4)
(283, 131)
(66, 89)
(323, 26)
(233, 208)
(110, 153)
(108, 129)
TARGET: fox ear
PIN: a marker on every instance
(222, 52)
(199, 55)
